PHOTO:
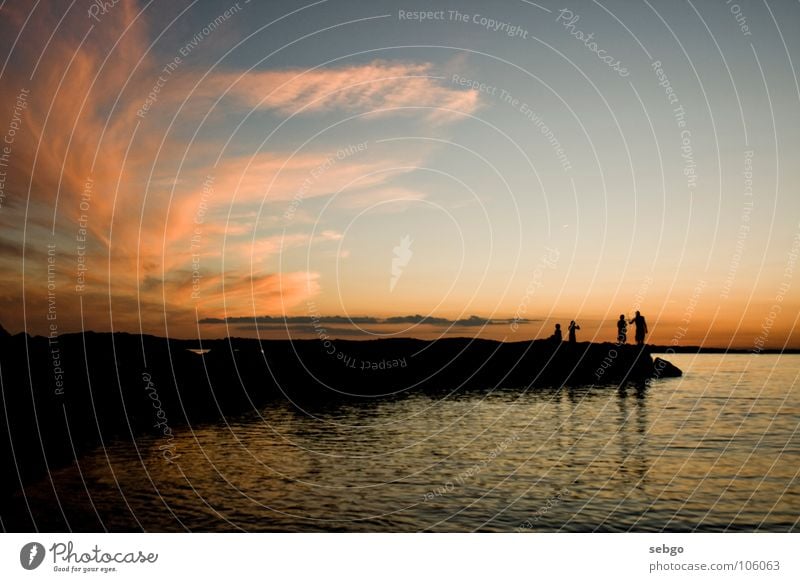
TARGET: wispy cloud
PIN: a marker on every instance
(379, 86)
(98, 167)
(417, 319)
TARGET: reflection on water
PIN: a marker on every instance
(717, 449)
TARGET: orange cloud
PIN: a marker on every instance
(376, 86)
(105, 178)
(237, 296)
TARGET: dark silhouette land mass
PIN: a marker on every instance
(62, 398)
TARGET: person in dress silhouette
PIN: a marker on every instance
(557, 337)
(572, 329)
(622, 330)
(641, 328)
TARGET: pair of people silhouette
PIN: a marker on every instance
(622, 328)
(573, 327)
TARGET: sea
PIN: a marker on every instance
(715, 450)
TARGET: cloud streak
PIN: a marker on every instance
(379, 87)
(471, 321)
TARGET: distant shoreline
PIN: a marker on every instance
(729, 351)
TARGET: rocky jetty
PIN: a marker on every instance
(66, 395)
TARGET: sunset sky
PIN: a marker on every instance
(197, 161)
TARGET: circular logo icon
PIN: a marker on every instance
(31, 555)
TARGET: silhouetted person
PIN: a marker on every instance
(641, 328)
(572, 329)
(622, 330)
(557, 337)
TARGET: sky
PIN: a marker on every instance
(429, 169)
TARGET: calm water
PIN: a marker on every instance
(717, 449)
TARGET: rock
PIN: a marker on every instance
(665, 369)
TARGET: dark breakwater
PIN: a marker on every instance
(61, 398)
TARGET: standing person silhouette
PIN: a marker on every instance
(572, 329)
(641, 328)
(622, 330)
(557, 337)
